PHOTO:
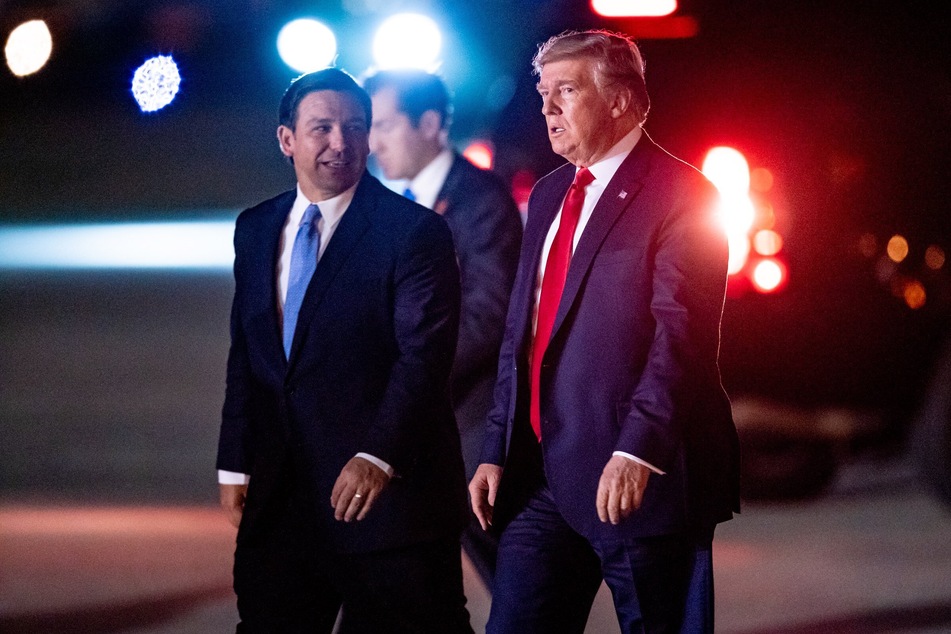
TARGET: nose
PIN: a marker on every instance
(549, 106)
(337, 139)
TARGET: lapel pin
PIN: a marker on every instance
(622, 195)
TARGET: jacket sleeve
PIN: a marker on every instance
(234, 439)
(426, 322)
(689, 279)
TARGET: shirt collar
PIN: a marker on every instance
(604, 170)
(429, 181)
(331, 210)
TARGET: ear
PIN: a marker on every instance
(620, 102)
(430, 124)
(285, 138)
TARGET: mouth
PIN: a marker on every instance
(552, 130)
(337, 164)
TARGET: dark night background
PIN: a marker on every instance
(848, 104)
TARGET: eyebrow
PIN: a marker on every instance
(331, 120)
(558, 82)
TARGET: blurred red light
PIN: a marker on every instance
(522, 183)
(480, 154)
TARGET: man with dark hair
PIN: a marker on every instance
(610, 451)
(409, 140)
(338, 457)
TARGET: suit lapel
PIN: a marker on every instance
(353, 225)
(445, 200)
(617, 197)
(542, 212)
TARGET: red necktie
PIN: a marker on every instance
(553, 283)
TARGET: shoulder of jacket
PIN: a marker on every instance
(264, 209)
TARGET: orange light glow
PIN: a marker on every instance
(767, 242)
(897, 248)
(633, 8)
(914, 294)
(761, 180)
(765, 216)
(934, 257)
(480, 154)
(768, 275)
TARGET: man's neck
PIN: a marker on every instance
(426, 157)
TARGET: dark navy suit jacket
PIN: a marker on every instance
(487, 231)
(368, 372)
(632, 361)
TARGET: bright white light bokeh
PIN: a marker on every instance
(155, 245)
(728, 170)
(768, 275)
(28, 47)
(634, 8)
(407, 40)
(306, 45)
(156, 83)
(739, 252)
(737, 214)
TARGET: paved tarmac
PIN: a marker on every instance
(871, 555)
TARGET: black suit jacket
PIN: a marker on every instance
(632, 360)
(368, 371)
(487, 231)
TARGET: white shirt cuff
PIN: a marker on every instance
(232, 477)
(639, 461)
(383, 465)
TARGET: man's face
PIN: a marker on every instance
(328, 143)
(399, 147)
(579, 116)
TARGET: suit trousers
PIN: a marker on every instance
(287, 583)
(548, 574)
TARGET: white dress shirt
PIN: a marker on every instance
(331, 211)
(603, 171)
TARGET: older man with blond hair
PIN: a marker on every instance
(610, 451)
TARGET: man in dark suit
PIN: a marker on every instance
(409, 140)
(610, 451)
(339, 458)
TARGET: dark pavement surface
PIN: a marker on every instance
(871, 555)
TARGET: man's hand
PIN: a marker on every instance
(482, 490)
(232, 501)
(621, 488)
(357, 487)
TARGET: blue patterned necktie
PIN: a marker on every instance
(409, 194)
(303, 264)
